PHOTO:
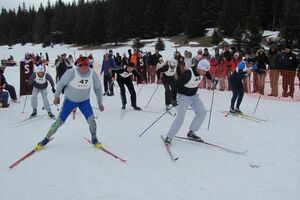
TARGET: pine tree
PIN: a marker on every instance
(160, 45)
(174, 11)
(137, 44)
(39, 27)
(195, 25)
(231, 14)
(95, 32)
(117, 21)
(290, 29)
(217, 37)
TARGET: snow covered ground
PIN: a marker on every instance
(70, 168)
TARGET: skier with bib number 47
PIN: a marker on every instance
(185, 90)
(78, 82)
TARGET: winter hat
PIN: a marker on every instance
(40, 68)
(82, 61)
(204, 65)
(173, 62)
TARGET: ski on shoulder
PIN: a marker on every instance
(106, 151)
(30, 153)
(214, 145)
(169, 150)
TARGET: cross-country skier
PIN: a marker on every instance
(235, 80)
(78, 82)
(39, 80)
(124, 78)
(187, 86)
(167, 75)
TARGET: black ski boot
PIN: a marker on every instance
(167, 140)
(51, 115)
(34, 113)
(137, 108)
(193, 136)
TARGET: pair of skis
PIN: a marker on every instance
(30, 153)
(174, 158)
(244, 116)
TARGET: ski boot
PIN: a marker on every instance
(167, 140)
(97, 144)
(41, 144)
(237, 110)
(136, 108)
(34, 113)
(232, 110)
(51, 115)
(193, 136)
(123, 106)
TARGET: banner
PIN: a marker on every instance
(26, 69)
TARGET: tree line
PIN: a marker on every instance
(100, 21)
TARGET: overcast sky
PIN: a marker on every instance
(11, 4)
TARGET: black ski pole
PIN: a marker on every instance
(257, 104)
(140, 90)
(211, 107)
(154, 123)
(152, 95)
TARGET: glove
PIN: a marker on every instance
(53, 90)
(174, 103)
(56, 101)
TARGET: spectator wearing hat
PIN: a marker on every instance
(10, 88)
(78, 82)
(289, 64)
(185, 92)
(244, 68)
(39, 80)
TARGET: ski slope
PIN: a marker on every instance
(70, 168)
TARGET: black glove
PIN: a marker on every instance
(53, 90)
(174, 103)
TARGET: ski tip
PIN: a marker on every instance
(175, 158)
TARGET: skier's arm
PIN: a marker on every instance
(65, 80)
(32, 77)
(50, 79)
(97, 88)
(161, 70)
(138, 75)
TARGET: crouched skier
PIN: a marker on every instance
(187, 86)
(77, 82)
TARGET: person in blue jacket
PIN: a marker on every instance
(243, 70)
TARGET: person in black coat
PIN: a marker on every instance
(10, 88)
(261, 61)
(124, 74)
(289, 64)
